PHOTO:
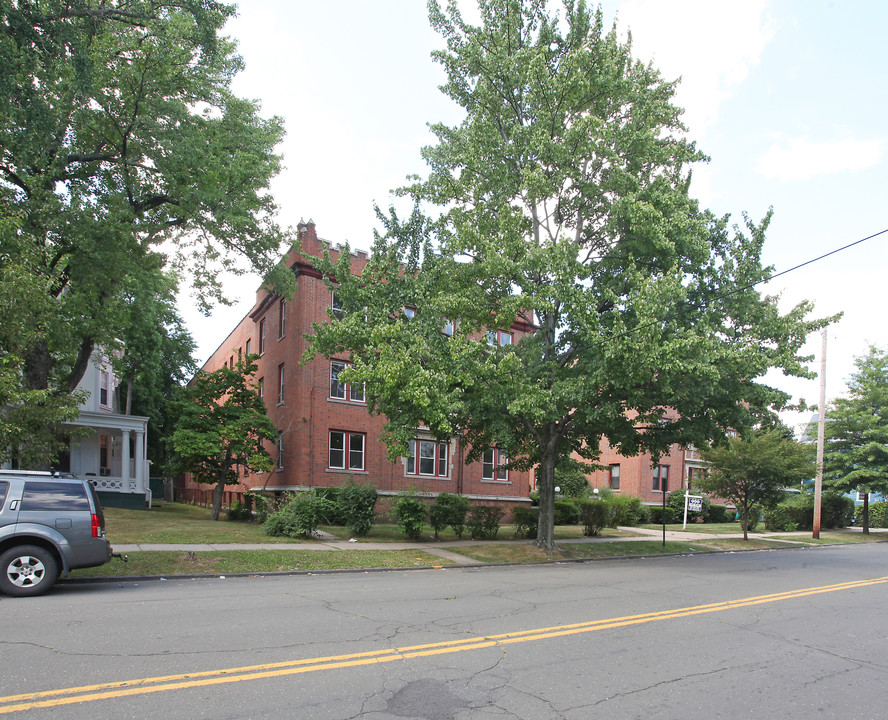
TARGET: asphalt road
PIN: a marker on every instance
(779, 634)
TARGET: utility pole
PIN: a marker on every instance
(821, 424)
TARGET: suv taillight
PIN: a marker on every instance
(96, 526)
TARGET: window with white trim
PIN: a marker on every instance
(282, 319)
(661, 478)
(281, 375)
(346, 450)
(262, 336)
(260, 387)
(353, 392)
(427, 457)
(449, 327)
(493, 465)
(613, 477)
(280, 458)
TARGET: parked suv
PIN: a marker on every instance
(50, 524)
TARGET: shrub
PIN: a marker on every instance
(677, 502)
(357, 506)
(484, 521)
(333, 514)
(780, 519)
(242, 510)
(627, 510)
(566, 513)
(299, 516)
(261, 504)
(449, 509)
(595, 515)
(720, 514)
(572, 481)
(526, 520)
(878, 514)
(410, 514)
(658, 513)
(836, 510)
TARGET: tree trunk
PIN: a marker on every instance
(744, 517)
(866, 513)
(546, 486)
(217, 499)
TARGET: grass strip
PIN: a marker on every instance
(170, 562)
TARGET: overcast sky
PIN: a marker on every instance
(788, 98)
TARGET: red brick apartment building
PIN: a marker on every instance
(639, 477)
(326, 433)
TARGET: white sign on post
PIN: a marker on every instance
(694, 503)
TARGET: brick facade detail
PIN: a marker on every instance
(305, 411)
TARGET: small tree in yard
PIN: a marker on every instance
(856, 453)
(222, 426)
(756, 471)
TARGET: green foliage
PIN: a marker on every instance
(124, 154)
(720, 514)
(484, 521)
(334, 514)
(299, 516)
(567, 183)
(628, 511)
(595, 515)
(572, 480)
(660, 515)
(525, 520)
(878, 514)
(221, 426)
(410, 514)
(261, 504)
(796, 512)
(756, 471)
(566, 512)
(242, 510)
(357, 504)
(856, 430)
(676, 502)
(449, 509)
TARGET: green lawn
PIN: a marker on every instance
(704, 528)
(179, 523)
(182, 524)
(171, 563)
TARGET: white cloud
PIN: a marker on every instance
(711, 45)
(803, 158)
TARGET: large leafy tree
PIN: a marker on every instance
(122, 149)
(856, 432)
(564, 208)
(222, 426)
(756, 470)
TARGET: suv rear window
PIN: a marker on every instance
(54, 497)
(4, 488)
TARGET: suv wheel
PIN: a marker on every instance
(27, 570)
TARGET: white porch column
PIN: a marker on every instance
(125, 459)
(141, 480)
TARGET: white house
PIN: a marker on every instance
(114, 456)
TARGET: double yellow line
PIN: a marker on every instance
(166, 683)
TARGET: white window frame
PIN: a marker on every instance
(492, 462)
(659, 476)
(282, 319)
(351, 392)
(349, 450)
(440, 458)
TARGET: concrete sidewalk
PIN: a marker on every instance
(440, 548)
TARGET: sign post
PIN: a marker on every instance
(694, 503)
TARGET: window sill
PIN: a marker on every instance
(343, 401)
(345, 470)
(497, 482)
